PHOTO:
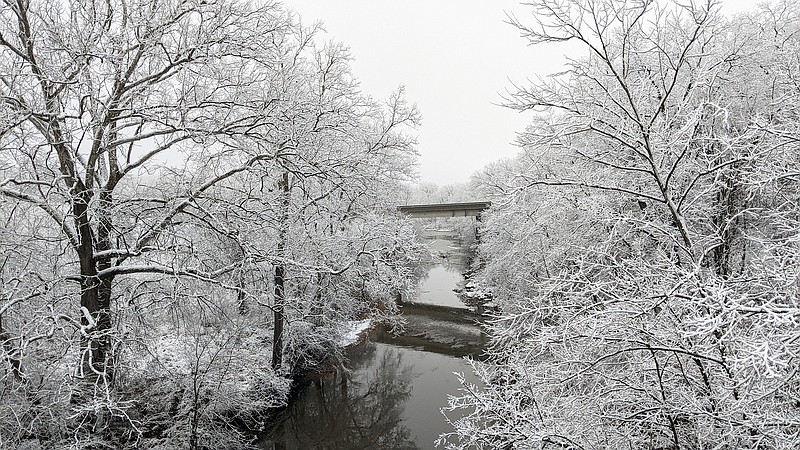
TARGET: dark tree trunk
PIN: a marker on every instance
(95, 295)
(11, 353)
(727, 223)
(280, 274)
(277, 336)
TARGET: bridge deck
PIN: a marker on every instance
(465, 209)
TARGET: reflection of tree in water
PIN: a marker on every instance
(456, 261)
(447, 253)
(360, 409)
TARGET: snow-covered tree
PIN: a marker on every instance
(159, 161)
(644, 253)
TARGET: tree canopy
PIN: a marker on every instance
(643, 248)
(176, 178)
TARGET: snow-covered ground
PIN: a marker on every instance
(356, 329)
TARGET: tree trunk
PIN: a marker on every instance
(95, 299)
(12, 353)
(277, 336)
(280, 274)
(727, 223)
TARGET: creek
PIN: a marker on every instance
(395, 384)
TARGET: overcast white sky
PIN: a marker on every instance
(456, 58)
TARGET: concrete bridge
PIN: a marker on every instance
(467, 209)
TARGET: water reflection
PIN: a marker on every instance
(391, 395)
(358, 409)
(443, 272)
(445, 331)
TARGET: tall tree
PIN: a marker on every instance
(97, 93)
(348, 150)
(161, 161)
(673, 160)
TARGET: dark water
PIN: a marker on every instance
(391, 394)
